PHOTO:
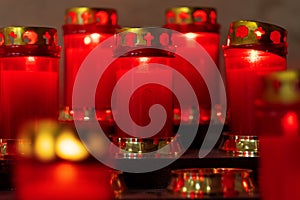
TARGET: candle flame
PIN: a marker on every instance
(92, 38)
(144, 59)
(31, 59)
(191, 35)
(69, 147)
(253, 56)
(44, 146)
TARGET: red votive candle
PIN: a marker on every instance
(277, 110)
(279, 172)
(277, 113)
(199, 24)
(55, 165)
(84, 29)
(143, 53)
(253, 49)
(29, 59)
(148, 94)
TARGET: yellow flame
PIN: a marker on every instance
(68, 147)
(92, 38)
(191, 35)
(253, 56)
(144, 59)
(31, 59)
(44, 146)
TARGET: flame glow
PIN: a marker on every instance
(70, 148)
(92, 38)
(191, 35)
(44, 146)
(253, 56)
(290, 124)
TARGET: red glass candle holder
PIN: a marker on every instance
(84, 29)
(199, 24)
(55, 165)
(246, 61)
(142, 55)
(253, 49)
(277, 110)
(29, 59)
(279, 167)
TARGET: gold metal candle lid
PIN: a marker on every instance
(244, 32)
(147, 41)
(143, 37)
(282, 87)
(86, 15)
(191, 15)
(18, 35)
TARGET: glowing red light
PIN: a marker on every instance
(230, 29)
(213, 17)
(12, 37)
(245, 185)
(290, 123)
(275, 37)
(113, 18)
(47, 37)
(1, 38)
(242, 31)
(86, 17)
(200, 15)
(73, 17)
(102, 17)
(184, 15)
(179, 184)
(170, 17)
(30, 37)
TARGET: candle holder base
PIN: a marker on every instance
(240, 145)
(144, 147)
(202, 182)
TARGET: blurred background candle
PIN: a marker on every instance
(199, 24)
(29, 65)
(84, 29)
(277, 110)
(279, 172)
(253, 49)
(55, 165)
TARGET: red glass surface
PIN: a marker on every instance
(244, 71)
(143, 98)
(28, 91)
(210, 42)
(62, 180)
(77, 47)
(277, 119)
(279, 171)
(191, 113)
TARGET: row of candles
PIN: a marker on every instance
(29, 75)
(31, 55)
